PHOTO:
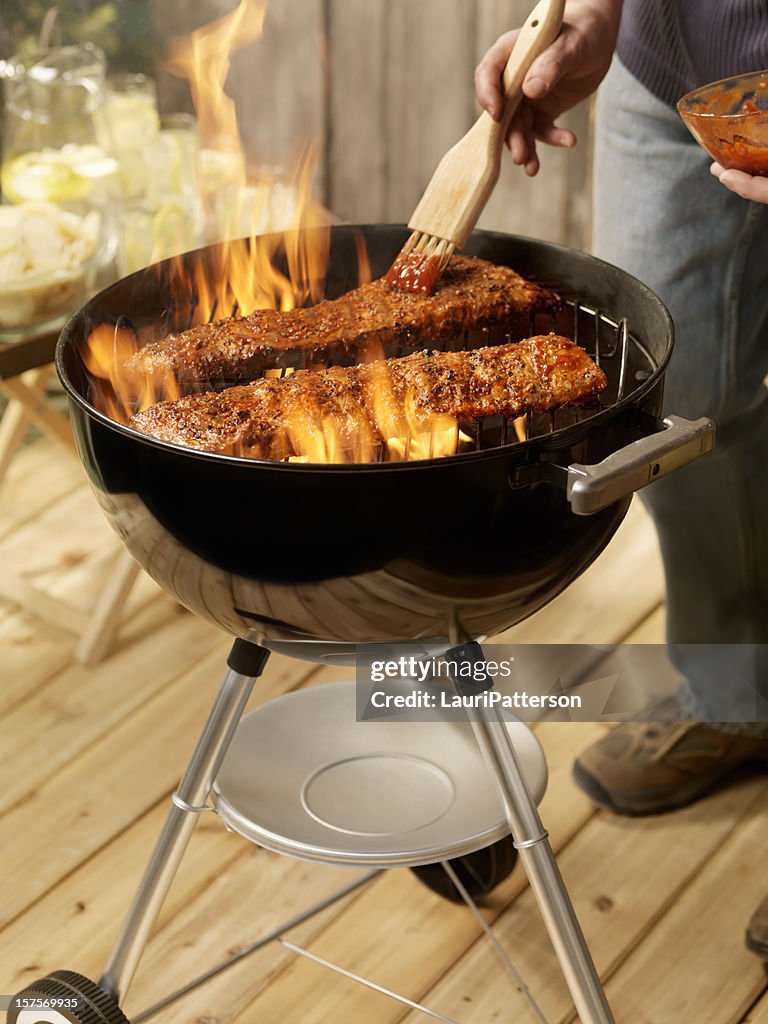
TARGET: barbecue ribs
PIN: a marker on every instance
(365, 405)
(371, 322)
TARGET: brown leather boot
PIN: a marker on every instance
(652, 767)
(757, 931)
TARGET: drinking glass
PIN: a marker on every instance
(167, 218)
(127, 125)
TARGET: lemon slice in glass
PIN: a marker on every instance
(64, 175)
(27, 178)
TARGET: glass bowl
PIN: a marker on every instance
(49, 263)
(729, 119)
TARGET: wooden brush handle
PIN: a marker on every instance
(467, 174)
(541, 28)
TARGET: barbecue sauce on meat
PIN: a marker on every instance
(366, 403)
(372, 321)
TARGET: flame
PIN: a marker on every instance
(274, 236)
(203, 58)
(115, 390)
(374, 420)
(262, 268)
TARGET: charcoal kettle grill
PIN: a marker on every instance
(312, 560)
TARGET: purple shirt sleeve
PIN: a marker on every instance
(673, 46)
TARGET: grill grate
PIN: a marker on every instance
(608, 341)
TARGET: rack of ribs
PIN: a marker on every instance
(366, 405)
(371, 322)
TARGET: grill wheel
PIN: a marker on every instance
(81, 1002)
(478, 872)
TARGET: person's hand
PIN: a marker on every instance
(745, 185)
(567, 72)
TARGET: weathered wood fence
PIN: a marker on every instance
(385, 86)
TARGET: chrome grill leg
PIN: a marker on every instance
(532, 842)
(246, 662)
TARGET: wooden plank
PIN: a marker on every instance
(111, 791)
(651, 630)
(758, 1014)
(79, 705)
(17, 590)
(28, 354)
(36, 406)
(624, 875)
(554, 205)
(15, 425)
(399, 933)
(34, 651)
(258, 892)
(67, 551)
(429, 93)
(31, 654)
(357, 153)
(37, 478)
(61, 535)
(278, 85)
(226, 894)
(702, 937)
(176, 18)
(370, 81)
(74, 924)
(108, 611)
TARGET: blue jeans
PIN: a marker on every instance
(660, 215)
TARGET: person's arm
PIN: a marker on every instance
(567, 72)
(744, 185)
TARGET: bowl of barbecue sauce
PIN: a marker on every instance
(729, 119)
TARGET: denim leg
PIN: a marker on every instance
(660, 215)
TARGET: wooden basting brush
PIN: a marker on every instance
(467, 174)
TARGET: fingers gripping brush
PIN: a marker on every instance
(467, 174)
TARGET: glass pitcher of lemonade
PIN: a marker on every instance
(51, 151)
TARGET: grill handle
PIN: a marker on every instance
(678, 442)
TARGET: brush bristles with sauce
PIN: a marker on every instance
(420, 263)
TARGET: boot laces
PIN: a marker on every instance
(669, 734)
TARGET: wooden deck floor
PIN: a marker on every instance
(90, 757)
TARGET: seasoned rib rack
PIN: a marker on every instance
(370, 322)
(370, 403)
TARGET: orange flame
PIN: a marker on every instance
(242, 274)
(374, 420)
(203, 58)
(260, 269)
(241, 204)
(116, 391)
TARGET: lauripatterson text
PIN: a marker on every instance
(486, 698)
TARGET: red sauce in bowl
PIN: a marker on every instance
(729, 119)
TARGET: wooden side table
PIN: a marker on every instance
(25, 366)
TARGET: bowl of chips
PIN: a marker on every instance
(49, 260)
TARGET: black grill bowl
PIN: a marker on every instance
(372, 552)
